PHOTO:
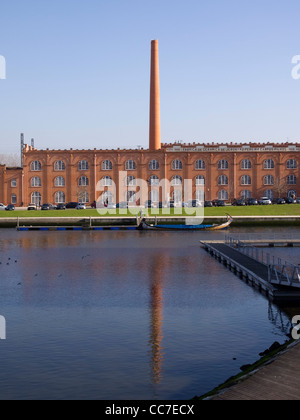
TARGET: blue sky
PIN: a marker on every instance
(78, 72)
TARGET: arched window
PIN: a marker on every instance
(200, 165)
(269, 164)
(223, 195)
(176, 165)
(13, 183)
(131, 198)
(59, 165)
(269, 180)
(83, 165)
(130, 181)
(223, 180)
(246, 194)
(292, 180)
(106, 165)
(153, 165)
(83, 181)
(130, 165)
(200, 180)
(176, 180)
(154, 180)
(246, 180)
(36, 166)
(36, 198)
(107, 181)
(13, 199)
(246, 164)
(106, 197)
(59, 181)
(291, 164)
(83, 197)
(292, 193)
(269, 194)
(36, 181)
(60, 197)
(223, 164)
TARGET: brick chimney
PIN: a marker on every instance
(154, 125)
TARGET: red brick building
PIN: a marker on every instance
(228, 170)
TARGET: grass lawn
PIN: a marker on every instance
(274, 210)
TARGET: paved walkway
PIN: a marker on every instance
(279, 380)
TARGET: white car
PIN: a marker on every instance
(81, 206)
(265, 201)
(2, 206)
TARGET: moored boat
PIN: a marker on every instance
(146, 226)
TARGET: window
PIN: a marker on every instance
(13, 183)
(13, 199)
(36, 166)
(292, 180)
(291, 164)
(154, 195)
(246, 164)
(60, 197)
(59, 166)
(107, 181)
(200, 165)
(223, 164)
(154, 180)
(269, 194)
(36, 181)
(246, 194)
(106, 165)
(130, 181)
(106, 197)
(176, 165)
(59, 181)
(176, 180)
(223, 180)
(269, 164)
(246, 180)
(83, 181)
(292, 193)
(83, 165)
(153, 165)
(200, 180)
(223, 195)
(36, 198)
(268, 180)
(130, 197)
(83, 197)
(130, 165)
(177, 196)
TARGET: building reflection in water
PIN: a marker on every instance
(156, 321)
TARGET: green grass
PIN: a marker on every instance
(274, 210)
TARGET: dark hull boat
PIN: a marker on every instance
(145, 226)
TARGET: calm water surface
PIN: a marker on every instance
(124, 315)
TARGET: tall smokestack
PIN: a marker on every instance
(154, 129)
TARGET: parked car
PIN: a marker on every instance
(279, 201)
(72, 205)
(10, 207)
(94, 204)
(61, 207)
(208, 203)
(264, 201)
(251, 202)
(194, 203)
(48, 206)
(239, 202)
(2, 206)
(290, 200)
(218, 203)
(122, 205)
(32, 207)
(298, 200)
(81, 206)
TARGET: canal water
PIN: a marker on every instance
(125, 315)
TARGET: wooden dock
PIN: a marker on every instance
(255, 273)
(277, 380)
